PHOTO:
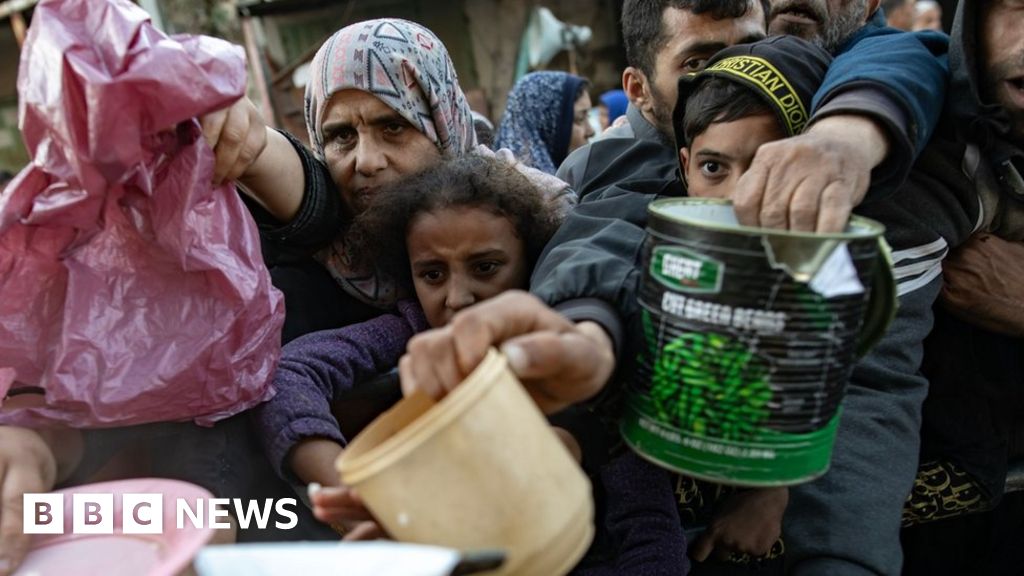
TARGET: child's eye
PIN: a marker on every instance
(487, 268)
(712, 169)
(432, 276)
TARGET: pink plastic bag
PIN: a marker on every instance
(131, 289)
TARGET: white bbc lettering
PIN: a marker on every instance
(43, 513)
(253, 510)
(195, 515)
(142, 514)
(219, 509)
(293, 518)
(92, 513)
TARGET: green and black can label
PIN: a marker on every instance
(743, 366)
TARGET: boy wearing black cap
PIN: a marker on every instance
(749, 94)
(752, 94)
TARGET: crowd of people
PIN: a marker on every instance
(403, 241)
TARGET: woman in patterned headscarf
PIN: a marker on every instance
(405, 67)
(545, 119)
(383, 102)
(396, 79)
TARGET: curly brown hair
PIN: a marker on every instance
(377, 237)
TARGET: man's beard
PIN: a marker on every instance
(843, 25)
(662, 112)
(832, 30)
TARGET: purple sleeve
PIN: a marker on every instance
(316, 368)
(642, 518)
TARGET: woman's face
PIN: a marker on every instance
(368, 145)
(603, 117)
(581, 128)
(460, 256)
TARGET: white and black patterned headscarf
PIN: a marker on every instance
(408, 68)
(404, 65)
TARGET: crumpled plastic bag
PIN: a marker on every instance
(131, 289)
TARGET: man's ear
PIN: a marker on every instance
(634, 84)
(684, 160)
(872, 8)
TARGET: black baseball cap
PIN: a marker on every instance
(785, 71)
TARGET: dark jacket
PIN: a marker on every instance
(896, 78)
(313, 300)
(634, 150)
(591, 271)
(976, 375)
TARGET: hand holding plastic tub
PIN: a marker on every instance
(559, 362)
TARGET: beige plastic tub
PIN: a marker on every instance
(479, 469)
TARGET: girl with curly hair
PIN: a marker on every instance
(453, 235)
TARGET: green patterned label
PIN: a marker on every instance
(705, 406)
(770, 458)
(712, 385)
(680, 269)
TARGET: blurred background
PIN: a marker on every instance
(492, 42)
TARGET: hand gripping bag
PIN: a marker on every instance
(131, 289)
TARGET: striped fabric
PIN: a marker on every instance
(916, 267)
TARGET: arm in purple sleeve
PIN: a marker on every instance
(317, 368)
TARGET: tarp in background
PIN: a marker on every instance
(131, 289)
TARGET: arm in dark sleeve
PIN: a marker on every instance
(590, 270)
(897, 79)
(315, 369)
(320, 215)
(574, 167)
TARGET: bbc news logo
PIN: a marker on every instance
(144, 513)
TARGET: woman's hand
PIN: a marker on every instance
(237, 135)
(258, 158)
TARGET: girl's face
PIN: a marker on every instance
(460, 256)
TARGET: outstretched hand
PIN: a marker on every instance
(237, 135)
(559, 362)
(811, 182)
